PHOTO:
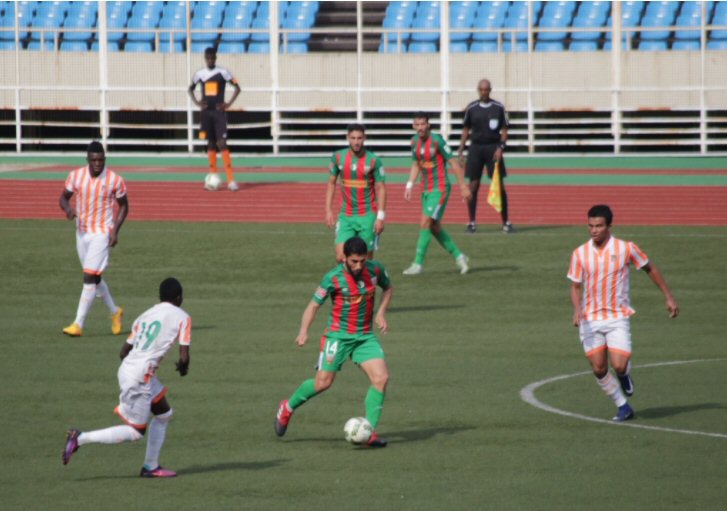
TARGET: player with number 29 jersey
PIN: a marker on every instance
(152, 334)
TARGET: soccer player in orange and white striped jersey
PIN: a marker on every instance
(599, 274)
(98, 223)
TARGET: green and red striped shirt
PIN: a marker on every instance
(352, 299)
(432, 155)
(358, 176)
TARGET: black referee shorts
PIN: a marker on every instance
(212, 125)
(480, 156)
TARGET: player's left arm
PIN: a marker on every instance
(182, 365)
(306, 321)
(235, 93)
(413, 175)
(119, 218)
(381, 313)
(658, 279)
(125, 349)
(380, 188)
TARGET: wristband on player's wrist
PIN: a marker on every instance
(409, 185)
(380, 215)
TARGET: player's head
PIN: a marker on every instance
(96, 157)
(355, 250)
(484, 87)
(356, 136)
(602, 211)
(599, 223)
(170, 290)
(210, 57)
(421, 124)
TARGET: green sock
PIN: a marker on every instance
(306, 391)
(425, 236)
(374, 404)
(444, 240)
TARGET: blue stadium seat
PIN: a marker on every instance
(81, 20)
(399, 15)
(8, 22)
(138, 47)
(661, 9)
(74, 46)
(295, 47)
(426, 17)
(717, 44)
(143, 17)
(519, 46)
(693, 20)
(461, 17)
(483, 47)
(119, 7)
(204, 28)
(231, 47)
(44, 26)
(111, 45)
(488, 18)
(549, 46)
(630, 17)
(391, 47)
(55, 9)
(170, 47)
(261, 23)
(517, 17)
(624, 46)
(557, 20)
(263, 11)
(299, 21)
(458, 47)
(259, 47)
(653, 45)
(37, 46)
(583, 46)
(422, 47)
(696, 7)
(236, 25)
(117, 16)
(307, 8)
(719, 18)
(208, 9)
(7, 45)
(175, 25)
(587, 23)
(686, 45)
(661, 19)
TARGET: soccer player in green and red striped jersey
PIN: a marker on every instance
(349, 334)
(363, 193)
(430, 156)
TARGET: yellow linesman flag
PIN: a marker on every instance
(494, 196)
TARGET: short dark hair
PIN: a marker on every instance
(355, 126)
(169, 290)
(210, 51)
(95, 147)
(355, 246)
(421, 115)
(602, 211)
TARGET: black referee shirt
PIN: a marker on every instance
(485, 120)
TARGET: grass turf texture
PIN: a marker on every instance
(459, 349)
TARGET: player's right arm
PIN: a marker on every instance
(459, 174)
(183, 362)
(309, 314)
(330, 192)
(413, 175)
(575, 298)
(463, 143)
(65, 203)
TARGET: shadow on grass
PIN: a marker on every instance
(202, 469)
(480, 269)
(669, 411)
(400, 437)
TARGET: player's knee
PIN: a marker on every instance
(164, 417)
(380, 380)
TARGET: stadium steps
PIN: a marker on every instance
(341, 17)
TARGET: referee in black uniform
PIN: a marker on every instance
(486, 119)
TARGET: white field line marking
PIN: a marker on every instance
(527, 394)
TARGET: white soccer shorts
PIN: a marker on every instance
(136, 397)
(93, 251)
(611, 334)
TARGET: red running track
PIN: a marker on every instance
(304, 203)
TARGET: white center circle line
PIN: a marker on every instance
(527, 394)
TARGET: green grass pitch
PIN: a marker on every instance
(459, 349)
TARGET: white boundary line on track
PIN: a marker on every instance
(527, 394)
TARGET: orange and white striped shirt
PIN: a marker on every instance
(95, 197)
(604, 274)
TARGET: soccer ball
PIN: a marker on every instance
(358, 430)
(212, 182)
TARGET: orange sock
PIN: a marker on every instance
(227, 160)
(212, 157)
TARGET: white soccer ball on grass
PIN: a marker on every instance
(358, 430)
(212, 182)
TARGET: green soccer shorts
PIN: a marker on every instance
(357, 225)
(359, 349)
(434, 204)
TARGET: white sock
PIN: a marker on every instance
(103, 292)
(612, 389)
(112, 435)
(156, 433)
(84, 304)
